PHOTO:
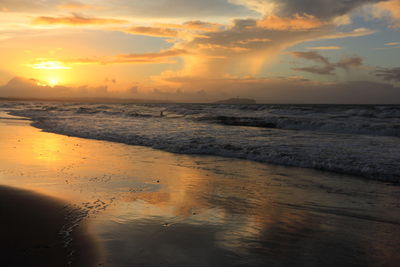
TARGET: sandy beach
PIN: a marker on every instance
(31, 234)
(144, 207)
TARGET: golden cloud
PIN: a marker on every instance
(167, 53)
(325, 48)
(214, 47)
(392, 43)
(152, 31)
(391, 7)
(194, 26)
(297, 22)
(359, 32)
(76, 20)
(161, 57)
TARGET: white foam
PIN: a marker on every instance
(181, 131)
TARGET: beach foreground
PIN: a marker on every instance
(31, 232)
(144, 207)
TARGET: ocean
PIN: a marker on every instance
(362, 140)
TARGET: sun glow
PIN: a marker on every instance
(50, 65)
(52, 81)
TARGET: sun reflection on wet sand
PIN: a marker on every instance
(149, 207)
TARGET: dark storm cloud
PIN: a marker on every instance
(324, 70)
(324, 9)
(327, 67)
(295, 90)
(389, 74)
(314, 56)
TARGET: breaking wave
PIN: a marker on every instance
(357, 140)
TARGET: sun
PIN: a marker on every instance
(52, 81)
(49, 72)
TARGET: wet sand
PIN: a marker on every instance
(150, 208)
(30, 231)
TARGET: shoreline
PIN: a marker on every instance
(30, 232)
(359, 173)
(317, 142)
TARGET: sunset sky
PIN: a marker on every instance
(320, 51)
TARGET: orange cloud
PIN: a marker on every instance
(222, 47)
(392, 43)
(325, 48)
(355, 33)
(195, 26)
(164, 56)
(152, 31)
(253, 40)
(393, 8)
(297, 22)
(76, 20)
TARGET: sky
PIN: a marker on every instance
(274, 51)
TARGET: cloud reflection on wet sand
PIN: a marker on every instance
(148, 207)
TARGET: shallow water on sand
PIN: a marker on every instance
(152, 208)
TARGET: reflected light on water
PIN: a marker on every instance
(237, 211)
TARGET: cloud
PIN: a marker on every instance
(393, 44)
(161, 57)
(49, 65)
(324, 70)
(322, 9)
(215, 48)
(389, 8)
(359, 32)
(296, 22)
(194, 26)
(325, 48)
(349, 62)
(167, 53)
(241, 48)
(327, 67)
(76, 20)
(246, 45)
(388, 74)
(152, 31)
(189, 89)
(32, 88)
(253, 41)
(186, 30)
(283, 90)
(314, 56)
